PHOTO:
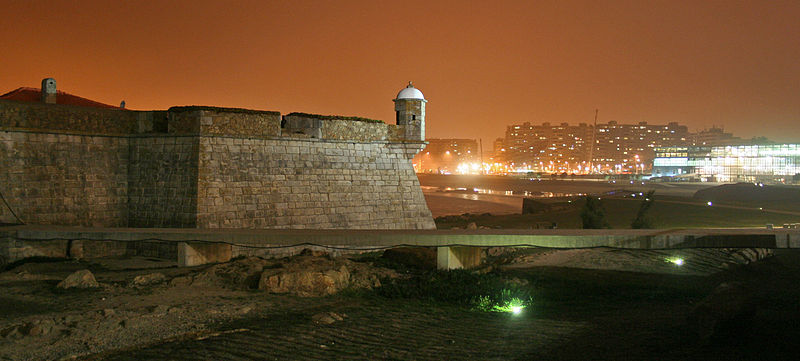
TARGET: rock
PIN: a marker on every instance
(312, 275)
(728, 310)
(31, 329)
(10, 332)
(368, 281)
(414, 257)
(159, 309)
(472, 225)
(180, 281)
(498, 251)
(324, 318)
(327, 318)
(305, 283)
(79, 279)
(148, 279)
(313, 253)
(47, 325)
(70, 319)
(242, 273)
(336, 316)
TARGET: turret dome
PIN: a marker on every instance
(410, 92)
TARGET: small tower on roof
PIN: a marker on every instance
(409, 107)
(49, 91)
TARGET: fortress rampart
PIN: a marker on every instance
(205, 167)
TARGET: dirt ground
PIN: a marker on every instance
(577, 313)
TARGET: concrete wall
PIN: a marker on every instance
(13, 249)
(204, 167)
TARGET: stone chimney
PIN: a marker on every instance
(49, 91)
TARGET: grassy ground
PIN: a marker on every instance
(667, 212)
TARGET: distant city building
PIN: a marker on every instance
(547, 148)
(498, 147)
(448, 156)
(731, 163)
(712, 137)
(628, 148)
(620, 148)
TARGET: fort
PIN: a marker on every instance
(205, 184)
(208, 167)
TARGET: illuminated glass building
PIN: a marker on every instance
(733, 163)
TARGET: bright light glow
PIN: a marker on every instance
(516, 310)
(675, 260)
(709, 203)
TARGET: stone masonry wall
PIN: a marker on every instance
(197, 120)
(68, 118)
(162, 181)
(204, 167)
(331, 127)
(353, 130)
(275, 183)
(65, 179)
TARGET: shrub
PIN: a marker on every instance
(485, 292)
(642, 220)
(593, 215)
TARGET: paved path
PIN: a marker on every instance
(367, 239)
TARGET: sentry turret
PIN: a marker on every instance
(409, 107)
(49, 91)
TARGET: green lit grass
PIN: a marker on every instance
(503, 301)
(488, 292)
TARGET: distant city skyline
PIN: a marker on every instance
(483, 66)
(565, 148)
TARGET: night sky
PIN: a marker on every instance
(482, 65)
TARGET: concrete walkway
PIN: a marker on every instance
(456, 248)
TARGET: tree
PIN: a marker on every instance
(593, 215)
(642, 220)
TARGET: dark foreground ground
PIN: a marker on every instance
(577, 314)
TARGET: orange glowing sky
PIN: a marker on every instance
(481, 64)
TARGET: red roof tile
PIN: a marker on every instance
(35, 95)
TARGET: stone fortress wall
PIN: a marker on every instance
(205, 167)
